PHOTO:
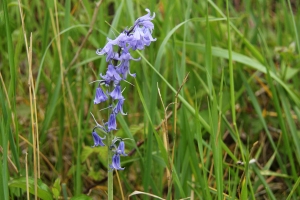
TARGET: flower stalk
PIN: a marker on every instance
(136, 38)
(110, 178)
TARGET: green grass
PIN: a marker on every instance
(240, 100)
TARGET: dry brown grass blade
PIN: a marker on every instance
(165, 138)
(26, 170)
(120, 185)
(175, 114)
(33, 110)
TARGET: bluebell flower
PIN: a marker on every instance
(136, 41)
(119, 107)
(111, 76)
(116, 93)
(122, 42)
(100, 96)
(121, 148)
(145, 20)
(108, 50)
(141, 37)
(123, 67)
(137, 37)
(116, 162)
(147, 39)
(112, 73)
(97, 139)
(142, 31)
(112, 124)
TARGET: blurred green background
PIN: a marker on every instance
(219, 87)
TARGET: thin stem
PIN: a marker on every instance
(109, 171)
(109, 156)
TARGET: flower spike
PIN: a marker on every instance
(136, 37)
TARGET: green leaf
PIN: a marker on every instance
(86, 152)
(43, 190)
(244, 193)
(290, 73)
(95, 175)
(56, 189)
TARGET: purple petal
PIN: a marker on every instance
(108, 49)
(121, 149)
(116, 162)
(124, 68)
(119, 107)
(112, 124)
(145, 20)
(148, 37)
(112, 73)
(116, 93)
(111, 76)
(100, 96)
(97, 139)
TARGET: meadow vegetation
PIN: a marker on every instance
(213, 112)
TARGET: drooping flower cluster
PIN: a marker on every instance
(116, 157)
(137, 37)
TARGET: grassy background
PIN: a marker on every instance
(239, 102)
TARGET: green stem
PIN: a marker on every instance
(109, 171)
(110, 187)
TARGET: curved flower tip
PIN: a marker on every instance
(145, 17)
(145, 20)
(121, 149)
(100, 96)
(108, 51)
(149, 13)
(97, 139)
(116, 162)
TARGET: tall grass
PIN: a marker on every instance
(213, 112)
